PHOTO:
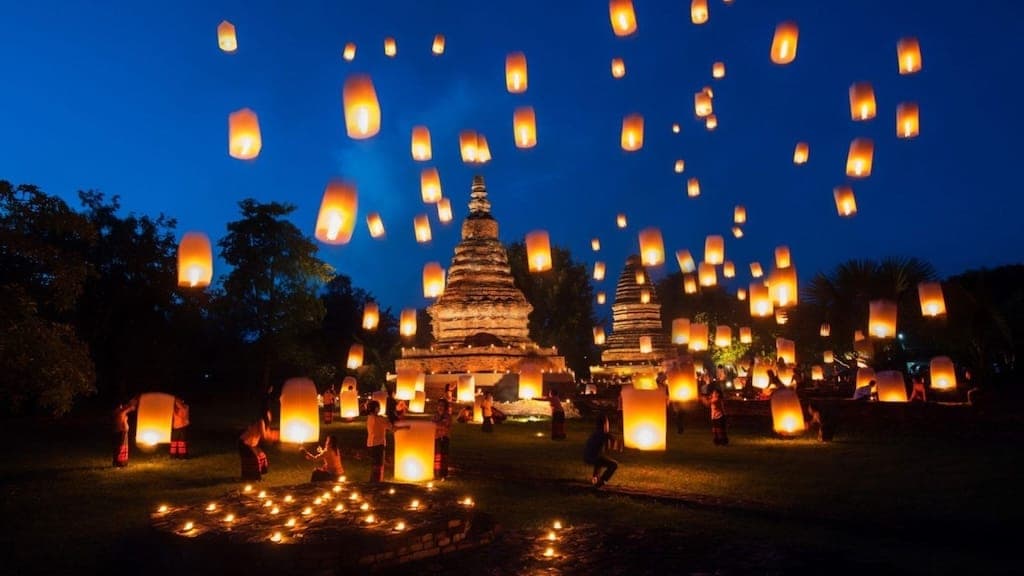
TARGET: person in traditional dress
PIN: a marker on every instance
(329, 457)
(557, 416)
(595, 453)
(120, 433)
(442, 439)
(329, 397)
(716, 404)
(253, 458)
(179, 425)
(377, 427)
(487, 411)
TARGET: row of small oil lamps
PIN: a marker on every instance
(308, 510)
(551, 536)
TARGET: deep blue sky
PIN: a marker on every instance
(132, 98)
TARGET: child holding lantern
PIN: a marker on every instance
(716, 403)
(377, 427)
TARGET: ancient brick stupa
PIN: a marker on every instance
(636, 315)
(480, 323)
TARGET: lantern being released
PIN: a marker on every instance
(890, 386)
(801, 153)
(407, 324)
(362, 111)
(785, 349)
(349, 398)
(406, 383)
(371, 316)
(682, 382)
(466, 390)
(618, 68)
(418, 402)
(787, 414)
(714, 249)
(622, 16)
(153, 421)
(530, 381)
(908, 52)
(943, 373)
(433, 280)
(337, 217)
(723, 336)
(226, 38)
(784, 43)
(524, 127)
(643, 418)
(195, 260)
(599, 336)
(538, 251)
(862, 101)
(355, 356)
(421, 149)
(300, 414)
(860, 158)
(652, 247)
(414, 452)
(632, 138)
(244, 140)
(846, 202)
(882, 318)
(908, 120)
(932, 301)
(515, 73)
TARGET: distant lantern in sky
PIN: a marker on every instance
(943, 373)
(908, 120)
(693, 187)
(244, 140)
(741, 294)
(698, 338)
(355, 356)
(723, 336)
(761, 305)
(706, 274)
(718, 70)
(337, 217)
(468, 146)
(195, 260)
(600, 297)
(371, 315)
(652, 247)
(785, 349)
(784, 43)
(711, 122)
(362, 111)
(689, 284)
(755, 270)
(739, 215)
(483, 150)
(817, 372)
(438, 47)
(846, 202)
(746, 337)
(444, 210)
(524, 127)
(680, 166)
(860, 157)
(421, 150)
(714, 249)
(226, 38)
(595, 244)
(908, 51)
(622, 16)
(827, 357)
(699, 11)
(783, 258)
(599, 335)
(640, 276)
(862, 101)
(737, 232)
(421, 226)
(782, 284)
(685, 260)
(675, 128)
(599, 271)
(728, 269)
(433, 280)
(349, 53)
(801, 153)
(933, 303)
(515, 73)
(882, 318)
(430, 186)
(407, 322)
(680, 330)
(702, 104)
(632, 132)
(300, 412)
(618, 68)
(390, 47)
(825, 330)
(538, 251)
(375, 225)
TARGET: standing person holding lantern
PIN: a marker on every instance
(442, 439)
(377, 427)
(179, 423)
(120, 435)
(329, 397)
(253, 459)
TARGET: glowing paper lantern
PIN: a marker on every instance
(643, 418)
(817, 373)
(737, 232)
(761, 305)
(632, 138)
(645, 380)
(685, 260)
(599, 271)
(438, 46)
(483, 151)
(600, 297)
(595, 244)
(444, 211)
(645, 345)
(755, 270)
(414, 451)
(825, 330)
(781, 316)
(693, 187)
(531, 381)
(390, 47)
(430, 186)
(828, 357)
(706, 274)
(759, 374)
(421, 227)
(466, 388)
(782, 285)
(699, 11)
(153, 419)
(698, 338)
(599, 336)
(337, 218)
(846, 202)
(746, 337)
(433, 280)
(244, 140)
(406, 382)
(371, 315)
(652, 248)
(718, 70)
(375, 225)
(908, 52)
(784, 43)
(355, 356)
(538, 251)
(195, 260)
(741, 294)
(645, 296)
(680, 330)
(882, 318)
(711, 122)
(675, 128)
(787, 414)
(714, 249)
(349, 398)
(349, 53)
(622, 16)
(226, 38)
(689, 284)
(680, 166)
(908, 120)
(739, 215)
(382, 401)
(728, 269)
(618, 68)
(468, 146)
(682, 382)
(515, 73)
(860, 158)
(783, 257)
(702, 106)
(407, 323)
(864, 376)
(418, 402)
(362, 111)
(620, 220)
(300, 412)
(723, 336)
(862, 101)
(524, 127)
(801, 153)
(785, 349)
(932, 301)
(943, 373)
(891, 386)
(421, 149)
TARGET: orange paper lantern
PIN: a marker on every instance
(702, 106)
(600, 297)
(466, 390)
(739, 215)
(782, 257)
(618, 68)
(599, 336)
(468, 146)
(699, 11)
(444, 210)
(375, 225)
(407, 323)
(438, 46)
(685, 260)
(421, 149)
(755, 270)
(226, 38)
(908, 53)
(718, 70)
(746, 336)
(862, 101)
(515, 73)
(362, 111)
(787, 414)
(595, 244)
(680, 331)
(723, 336)
(933, 303)
(943, 373)
(632, 138)
(195, 260)
(693, 187)
(644, 418)
(698, 337)
(652, 247)
(682, 382)
(337, 218)
(891, 386)
(531, 381)
(390, 47)
(430, 186)
(846, 202)
(706, 274)
(300, 411)
(524, 127)
(714, 249)
(599, 270)
(371, 316)
(728, 269)
(784, 43)
(421, 227)
(538, 251)
(349, 398)
(860, 158)
(355, 356)
(782, 285)
(882, 318)
(622, 16)
(414, 451)
(620, 220)
(801, 153)
(908, 120)
(244, 139)
(153, 419)
(825, 330)
(349, 53)
(785, 349)
(689, 284)
(433, 280)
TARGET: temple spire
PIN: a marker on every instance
(479, 205)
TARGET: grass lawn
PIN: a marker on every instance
(913, 504)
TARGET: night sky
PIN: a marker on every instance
(132, 99)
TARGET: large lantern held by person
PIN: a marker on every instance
(414, 451)
(622, 16)
(908, 52)
(784, 43)
(355, 356)
(407, 323)
(466, 388)
(787, 414)
(406, 383)
(682, 382)
(515, 73)
(531, 381)
(371, 316)
(891, 386)
(418, 402)
(932, 301)
(226, 38)
(680, 330)
(153, 420)
(244, 139)
(337, 217)
(300, 413)
(643, 418)
(860, 158)
(195, 260)
(421, 149)
(943, 373)
(632, 138)
(433, 280)
(362, 111)
(698, 337)
(785, 349)
(908, 120)
(882, 318)
(524, 127)
(349, 398)
(538, 251)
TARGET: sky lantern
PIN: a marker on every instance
(618, 68)
(825, 330)
(693, 187)
(746, 336)
(891, 386)
(759, 374)
(195, 260)
(433, 280)
(882, 318)
(524, 127)
(244, 140)
(846, 202)
(622, 16)
(371, 315)
(714, 249)
(699, 11)
(337, 218)
(782, 257)
(444, 210)
(652, 247)
(641, 276)
(817, 373)
(421, 226)
(828, 357)
(538, 251)
(801, 153)
(702, 106)
(430, 186)
(862, 101)
(689, 284)
(483, 150)
(784, 43)
(860, 157)
(414, 451)
(718, 70)
(785, 349)
(908, 120)
(680, 331)
(468, 146)
(375, 225)
(466, 388)
(723, 336)
(226, 38)
(943, 373)
(644, 418)
(864, 376)
(390, 47)
(300, 411)
(405, 383)
(620, 220)
(741, 294)
(349, 398)
(515, 73)
(599, 270)
(599, 336)
(600, 297)
(787, 414)
(349, 53)
(362, 111)
(595, 244)
(632, 133)
(676, 128)
(698, 337)
(679, 166)
(706, 274)
(728, 269)
(646, 345)
(932, 301)
(421, 150)
(355, 356)
(685, 260)
(153, 420)
(739, 215)
(531, 381)
(782, 285)
(407, 323)
(737, 232)
(781, 316)
(418, 402)
(908, 52)
(438, 46)
(682, 382)
(711, 122)
(645, 295)
(755, 270)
